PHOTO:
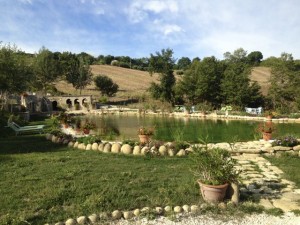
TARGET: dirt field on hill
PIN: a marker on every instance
(133, 83)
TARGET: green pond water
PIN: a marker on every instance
(188, 129)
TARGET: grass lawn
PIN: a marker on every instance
(290, 165)
(45, 182)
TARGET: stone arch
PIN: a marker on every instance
(84, 102)
(77, 104)
(54, 105)
(69, 103)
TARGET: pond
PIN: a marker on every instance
(187, 129)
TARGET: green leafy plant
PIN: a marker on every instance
(213, 166)
(89, 140)
(266, 127)
(145, 131)
(132, 143)
(89, 126)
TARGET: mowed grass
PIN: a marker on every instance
(45, 182)
(290, 165)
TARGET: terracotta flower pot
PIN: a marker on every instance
(267, 136)
(269, 117)
(86, 131)
(213, 193)
(144, 138)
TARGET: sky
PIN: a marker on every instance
(138, 28)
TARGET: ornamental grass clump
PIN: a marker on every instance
(286, 141)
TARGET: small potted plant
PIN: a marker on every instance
(145, 134)
(214, 169)
(88, 126)
(269, 115)
(266, 129)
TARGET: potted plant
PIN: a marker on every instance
(88, 126)
(266, 129)
(269, 115)
(145, 134)
(214, 169)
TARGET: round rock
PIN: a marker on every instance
(137, 212)
(163, 150)
(115, 148)
(82, 220)
(177, 209)
(127, 215)
(116, 214)
(171, 152)
(71, 222)
(107, 147)
(76, 144)
(101, 147)
(186, 208)
(145, 150)
(70, 144)
(168, 208)
(126, 149)
(88, 147)
(181, 152)
(159, 210)
(194, 209)
(94, 218)
(136, 150)
(95, 146)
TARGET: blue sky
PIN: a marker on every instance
(136, 28)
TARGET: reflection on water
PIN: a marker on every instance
(188, 129)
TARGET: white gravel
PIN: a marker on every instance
(255, 219)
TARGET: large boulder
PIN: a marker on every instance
(126, 149)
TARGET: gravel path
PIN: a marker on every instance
(255, 219)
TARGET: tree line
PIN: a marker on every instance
(20, 72)
(211, 83)
(208, 82)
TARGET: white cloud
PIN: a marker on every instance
(141, 10)
(26, 1)
(165, 28)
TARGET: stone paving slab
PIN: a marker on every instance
(261, 179)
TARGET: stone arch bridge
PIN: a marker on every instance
(71, 102)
